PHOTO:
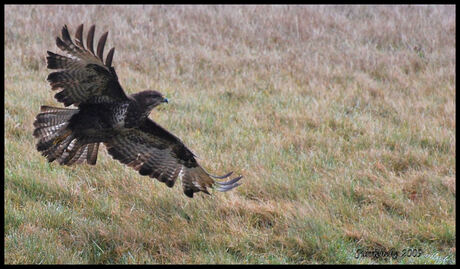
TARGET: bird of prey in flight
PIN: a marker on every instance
(103, 113)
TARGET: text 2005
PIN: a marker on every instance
(411, 252)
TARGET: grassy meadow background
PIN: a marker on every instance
(340, 118)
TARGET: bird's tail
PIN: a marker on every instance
(57, 141)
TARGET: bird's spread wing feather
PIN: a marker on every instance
(83, 76)
(153, 151)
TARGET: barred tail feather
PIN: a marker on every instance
(57, 142)
(91, 156)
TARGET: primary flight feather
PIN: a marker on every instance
(105, 114)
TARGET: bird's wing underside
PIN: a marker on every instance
(155, 152)
(83, 77)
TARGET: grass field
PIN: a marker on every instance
(340, 118)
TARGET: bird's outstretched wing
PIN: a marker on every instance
(153, 151)
(83, 76)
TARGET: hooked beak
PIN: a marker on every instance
(165, 100)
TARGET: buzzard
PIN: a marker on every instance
(105, 114)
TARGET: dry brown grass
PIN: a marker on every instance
(340, 118)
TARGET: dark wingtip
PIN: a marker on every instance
(100, 46)
(60, 43)
(89, 39)
(188, 192)
(79, 36)
(108, 61)
(65, 34)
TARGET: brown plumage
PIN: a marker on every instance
(105, 114)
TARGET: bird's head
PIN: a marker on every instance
(149, 99)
